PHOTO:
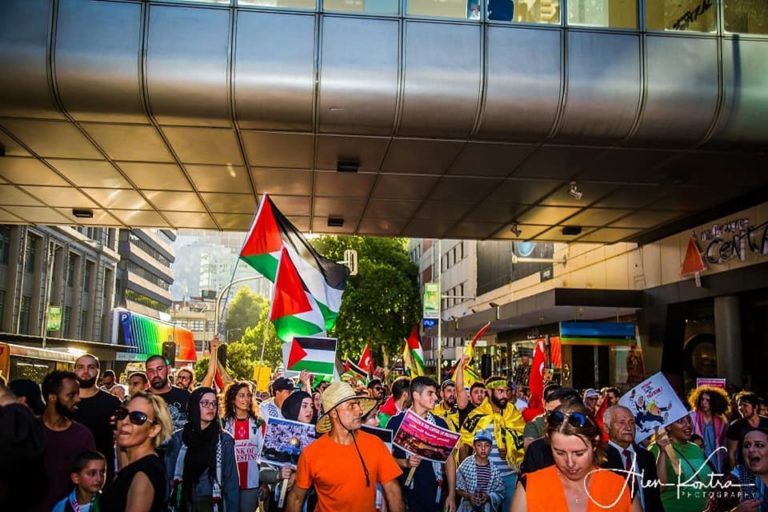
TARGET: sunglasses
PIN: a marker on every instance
(575, 419)
(138, 418)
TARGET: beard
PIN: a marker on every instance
(158, 383)
(501, 403)
(64, 411)
(87, 383)
(450, 402)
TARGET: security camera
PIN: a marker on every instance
(574, 191)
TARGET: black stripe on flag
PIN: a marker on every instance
(317, 343)
(356, 369)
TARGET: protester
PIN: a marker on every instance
(679, 460)
(610, 395)
(752, 476)
(364, 458)
(316, 405)
(553, 395)
(297, 407)
(423, 493)
(398, 400)
(28, 394)
(466, 402)
(137, 382)
(200, 459)
(244, 425)
(747, 404)
(142, 426)
(89, 474)
(478, 482)
(185, 379)
(118, 391)
(538, 453)
(96, 408)
(522, 373)
(281, 389)
(634, 463)
(590, 400)
(108, 379)
(64, 437)
(519, 398)
(157, 372)
(575, 482)
(376, 389)
(710, 407)
(447, 408)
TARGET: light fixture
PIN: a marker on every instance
(516, 229)
(493, 304)
(335, 222)
(571, 230)
(574, 191)
(82, 213)
(347, 166)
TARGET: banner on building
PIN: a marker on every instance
(654, 404)
(431, 300)
(597, 333)
(710, 382)
(54, 318)
(146, 335)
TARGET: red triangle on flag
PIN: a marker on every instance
(265, 235)
(297, 354)
(693, 263)
(289, 297)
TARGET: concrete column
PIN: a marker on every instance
(728, 339)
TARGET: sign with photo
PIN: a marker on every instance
(284, 441)
(418, 436)
(654, 404)
(382, 433)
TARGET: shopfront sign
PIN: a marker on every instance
(597, 333)
(733, 240)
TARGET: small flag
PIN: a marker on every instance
(351, 367)
(693, 263)
(316, 355)
(470, 374)
(413, 355)
(366, 360)
(536, 382)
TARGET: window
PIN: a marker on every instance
(26, 302)
(71, 268)
(603, 13)
(197, 325)
(66, 320)
(83, 324)
(209, 325)
(363, 6)
(687, 15)
(88, 276)
(30, 255)
(285, 4)
(149, 276)
(746, 16)
(5, 244)
(2, 302)
(461, 9)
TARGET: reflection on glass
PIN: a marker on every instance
(537, 11)
(280, 4)
(603, 13)
(443, 8)
(216, 2)
(746, 16)
(688, 15)
(363, 6)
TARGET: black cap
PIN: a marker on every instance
(31, 391)
(282, 384)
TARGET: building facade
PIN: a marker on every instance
(144, 273)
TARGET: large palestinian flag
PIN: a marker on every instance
(307, 286)
(316, 355)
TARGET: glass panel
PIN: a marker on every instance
(529, 11)
(689, 15)
(603, 13)
(462, 9)
(746, 16)
(363, 6)
(217, 2)
(285, 4)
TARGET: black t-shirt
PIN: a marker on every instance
(177, 399)
(463, 413)
(739, 428)
(116, 493)
(95, 413)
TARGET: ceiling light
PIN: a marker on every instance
(82, 213)
(571, 230)
(335, 222)
(347, 166)
(574, 191)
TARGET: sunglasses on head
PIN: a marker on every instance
(574, 419)
(138, 418)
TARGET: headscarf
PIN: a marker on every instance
(201, 444)
(507, 429)
(292, 405)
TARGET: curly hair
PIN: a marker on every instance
(589, 432)
(228, 399)
(718, 400)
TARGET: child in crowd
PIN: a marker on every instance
(478, 482)
(88, 474)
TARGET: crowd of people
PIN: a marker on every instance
(73, 443)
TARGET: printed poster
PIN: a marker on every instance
(284, 440)
(654, 404)
(418, 436)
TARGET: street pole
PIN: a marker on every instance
(221, 295)
(439, 311)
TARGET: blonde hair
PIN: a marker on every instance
(162, 416)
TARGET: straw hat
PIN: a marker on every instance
(336, 394)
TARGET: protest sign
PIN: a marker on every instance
(382, 433)
(713, 383)
(315, 354)
(284, 441)
(417, 435)
(654, 404)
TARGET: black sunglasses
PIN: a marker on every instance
(575, 419)
(138, 418)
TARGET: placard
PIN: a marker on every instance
(654, 404)
(418, 436)
(284, 441)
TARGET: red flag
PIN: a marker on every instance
(289, 298)
(536, 383)
(366, 360)
(693, 263)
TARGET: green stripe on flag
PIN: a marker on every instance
(329, 316)
(288, 327)
(265, 264)
(321, 367)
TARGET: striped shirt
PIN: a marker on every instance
(496, 459)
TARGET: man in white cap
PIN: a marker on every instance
(590, 399)
(346, 464)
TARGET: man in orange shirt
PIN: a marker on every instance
(346, 464)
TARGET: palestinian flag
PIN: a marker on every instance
(316, 355)
(322, 278)
(413, 355)
(294, 311)
(351, 367)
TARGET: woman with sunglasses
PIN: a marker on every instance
(141, 426)
(242, 422)
(200, 460)
(575, 483)
(751, 475)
